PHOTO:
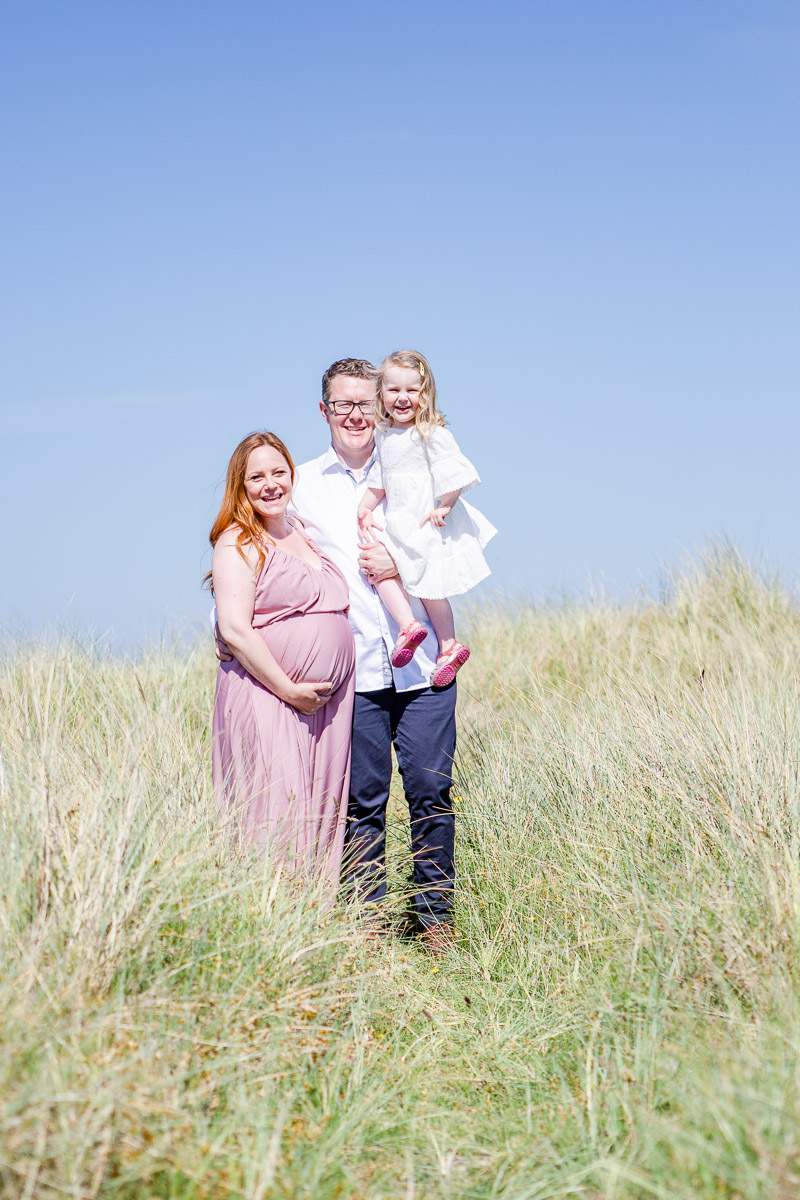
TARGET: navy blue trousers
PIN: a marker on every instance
(422, 726)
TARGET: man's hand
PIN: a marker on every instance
(437, 517)
(377, 563)
(221, 649)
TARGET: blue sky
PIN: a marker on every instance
(583, 213)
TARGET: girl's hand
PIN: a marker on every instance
(437, 517)
(366, 523)
(309, 698)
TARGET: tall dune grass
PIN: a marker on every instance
(621, 1017)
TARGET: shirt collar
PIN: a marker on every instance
(332, 462)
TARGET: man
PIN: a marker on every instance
(392, 706)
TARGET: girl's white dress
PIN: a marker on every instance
(415, 471)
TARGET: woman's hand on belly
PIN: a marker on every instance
(311, 647)
(308, 698)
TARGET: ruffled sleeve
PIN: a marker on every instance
(450, 469)
(375, 474)
(374, 478)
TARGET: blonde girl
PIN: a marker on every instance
(435, 537)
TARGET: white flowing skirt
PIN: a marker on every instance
(435, 563)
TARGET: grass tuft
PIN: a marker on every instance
(621, 1018)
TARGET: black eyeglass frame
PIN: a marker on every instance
(363, 406)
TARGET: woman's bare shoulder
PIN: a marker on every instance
(228, 541)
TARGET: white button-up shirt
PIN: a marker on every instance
(326, 497)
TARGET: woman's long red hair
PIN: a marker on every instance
(236, 510)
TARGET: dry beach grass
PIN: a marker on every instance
(621, 1017)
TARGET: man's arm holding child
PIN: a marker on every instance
(377, 563)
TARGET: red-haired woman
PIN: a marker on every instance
(283, 705)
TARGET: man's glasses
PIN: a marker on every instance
(343, 408)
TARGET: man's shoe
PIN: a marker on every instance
(439, 940)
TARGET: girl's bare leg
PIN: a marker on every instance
(412, 631)
(395, 599)
(441, 615)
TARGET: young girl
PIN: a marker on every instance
(435, 537)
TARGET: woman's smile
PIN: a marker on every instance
(268, 482)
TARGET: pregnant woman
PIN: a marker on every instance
(283, 706)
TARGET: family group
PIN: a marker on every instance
(336, 637)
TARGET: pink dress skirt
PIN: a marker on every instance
(281, 778)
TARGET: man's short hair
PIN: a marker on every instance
(359, 368)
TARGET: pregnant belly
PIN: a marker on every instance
(313, 646)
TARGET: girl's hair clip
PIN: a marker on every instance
(421, 369)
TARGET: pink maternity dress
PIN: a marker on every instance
(283, 777)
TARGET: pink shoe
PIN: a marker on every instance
(407, 642)
(448, 664)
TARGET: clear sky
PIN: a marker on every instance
(584, 213)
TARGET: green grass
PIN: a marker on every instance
(621, 1018)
